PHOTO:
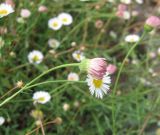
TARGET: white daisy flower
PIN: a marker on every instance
(41, 97)
(73, 77)
(139, 1)
(53, 43)
(78, 55)
(2, 120)
(126, 15)
(99, 87)
(65, 18)
(5, 9)
(35, 57)
(126, 1)
(54, 23)
(132, 38)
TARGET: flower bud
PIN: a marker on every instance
(96, 67)
(151, 23)
(111, 68)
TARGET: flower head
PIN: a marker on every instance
(42, 8)
(66, 107)
(41, 97)
(73, 77)
(55, 23)
(132, 38)
(35, 57)
(10, 2)
(152, 22)
(95, 67)
(65, 18)
(2, 120)
(5, 9)
(78, 55)
(53, 43)
(126, 1)
(122, 12)
(99, 87)
(25, 13)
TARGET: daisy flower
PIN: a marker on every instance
(55, 23)
(53, 43)
(78, 55)
(73, 77)
(99, 87)
(2, 120)
(35, 57)
(5, 9)
(132, 38)
(41, 97)
(65, 18)
(139, 1)
(126, 1)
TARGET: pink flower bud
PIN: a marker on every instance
(111, 68)
(95, 67)
(10, 2)
(99, 24)
(25, 13)
(42, 8)
(122, 7)
(153, 21)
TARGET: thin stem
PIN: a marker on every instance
(35, 79)
(42, 129)
(117, 80)
(55, 81)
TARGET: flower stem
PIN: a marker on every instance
(117, 80)
(35, 79)
(55, 81)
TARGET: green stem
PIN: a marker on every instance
(35, 79)
(117, 80)
(56, 81)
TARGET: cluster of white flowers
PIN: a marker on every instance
(62, 19)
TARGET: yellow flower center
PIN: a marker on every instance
(55, 24)
(3, 12)
(64, 20)
(35, 58)
(41, 99)
(97, 83)
(78, 56)
(132, 40)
